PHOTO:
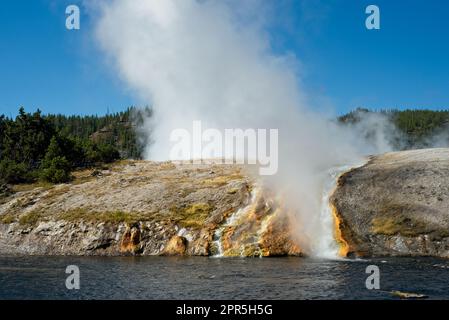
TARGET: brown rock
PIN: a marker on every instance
(277, 239)
(131, 240)
(176, 246)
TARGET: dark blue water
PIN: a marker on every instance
(210, 278)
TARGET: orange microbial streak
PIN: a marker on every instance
(344, 247)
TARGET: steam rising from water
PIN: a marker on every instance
(212, 61)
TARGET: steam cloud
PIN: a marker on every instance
(212, 61)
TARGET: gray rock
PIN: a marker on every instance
(396, 204)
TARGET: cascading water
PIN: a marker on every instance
(328, 242)
(328, 247)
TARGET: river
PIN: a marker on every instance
(35, 277)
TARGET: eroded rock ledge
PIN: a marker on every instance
(145, 208)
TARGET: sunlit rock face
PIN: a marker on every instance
(176, 246)
(147, 208)
(396, 204)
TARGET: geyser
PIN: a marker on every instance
(213, 61)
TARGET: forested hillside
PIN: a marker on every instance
(416, 128)
(34, 146)
(48, 147)
(117, 129)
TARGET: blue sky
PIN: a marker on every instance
(405, 64)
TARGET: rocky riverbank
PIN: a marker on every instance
(395, 205)
(146, 208)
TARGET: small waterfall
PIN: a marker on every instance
(231, 221)
(328, 247)
(217, 242)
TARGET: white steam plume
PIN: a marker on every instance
(212, 61)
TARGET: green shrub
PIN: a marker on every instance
(99, 152)
(56, 170)
(108, 153)
(12, 172)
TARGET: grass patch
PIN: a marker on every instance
(30, 218)
(31, 186)
(192, 216)
(398, 224)
(395, 219)
(120, 216)
(221, 180)
(119, 165)
(81, 179)
(386, 226)
(8, 218)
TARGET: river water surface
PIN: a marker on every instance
(219, 278)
